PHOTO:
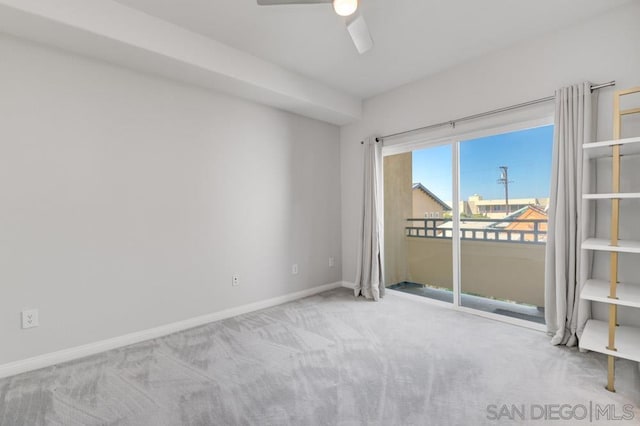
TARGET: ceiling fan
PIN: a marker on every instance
(356, 25)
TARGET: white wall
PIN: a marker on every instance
(128, 201)
(598, 50)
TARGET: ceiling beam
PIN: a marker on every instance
(110, 31)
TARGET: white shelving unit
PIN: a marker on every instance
(611, 196)
(609, 337)
(628, 146)
(602, 244)
(596, 336)
(598, 291)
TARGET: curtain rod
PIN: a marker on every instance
(452, 123)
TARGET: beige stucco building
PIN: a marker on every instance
(497, 209)
(426, 204)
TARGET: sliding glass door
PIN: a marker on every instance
(485, 251)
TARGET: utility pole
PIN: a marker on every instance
(504, 180)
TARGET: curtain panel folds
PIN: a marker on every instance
(566, 265)
(370, 273)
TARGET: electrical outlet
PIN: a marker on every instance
(294, 269)
(30, 318)
(332, 262)
(235, 280)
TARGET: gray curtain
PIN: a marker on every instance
(566, 264)
(370, 275)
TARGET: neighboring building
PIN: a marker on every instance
(497, 209)
(532, 213)
(426, 204)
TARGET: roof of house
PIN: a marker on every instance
(518, 214)
(432, 195)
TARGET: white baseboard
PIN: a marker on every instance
(65, 355)
(348, 284)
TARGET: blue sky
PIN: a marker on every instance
(527, 153)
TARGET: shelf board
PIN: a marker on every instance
(595, 337)
(624, 246)
(611, 196)
(628, 146)
(598, 291)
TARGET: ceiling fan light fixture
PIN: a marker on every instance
(345, 7)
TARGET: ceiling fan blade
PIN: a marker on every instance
(359, 32)
(278, 2)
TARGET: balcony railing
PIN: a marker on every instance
(525, 231)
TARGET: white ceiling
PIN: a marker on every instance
(413, 38)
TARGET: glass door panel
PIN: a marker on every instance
(504, 196)
(418, 222)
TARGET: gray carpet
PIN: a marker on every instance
(324, 360)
